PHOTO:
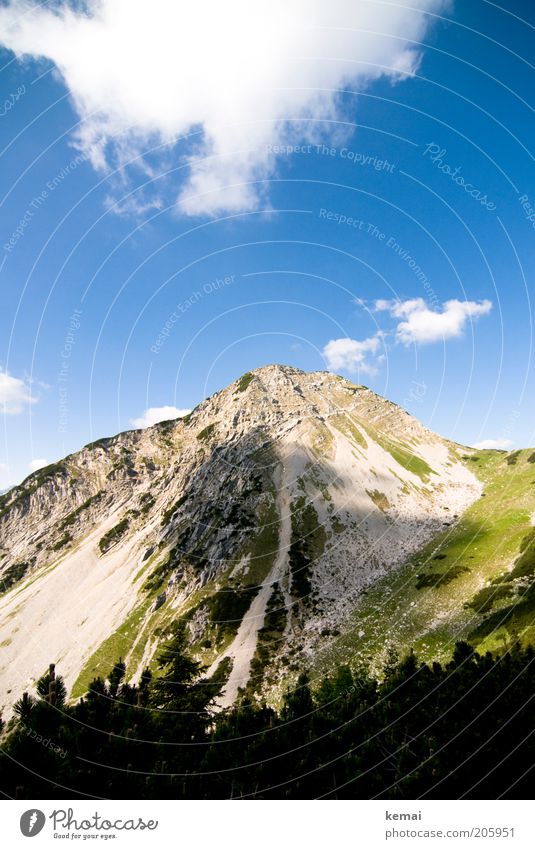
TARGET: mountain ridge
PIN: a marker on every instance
(260, 518)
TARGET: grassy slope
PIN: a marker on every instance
(460, 562)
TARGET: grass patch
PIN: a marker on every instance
(525, 564)
(344, 424)
(244, 381)
(379, 499)
(404, 457)
(206, 433)
(322, 441)
(115, 646)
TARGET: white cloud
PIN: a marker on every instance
(351, 354)
(424, 325)
(494, 443)
(246, 75)
(39, 463)
(15, 394)
(153, 415)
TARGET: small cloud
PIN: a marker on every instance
(351, 354)
(500, 444)
(423, 325)
(15, 394)
(132, 206)
(40, 463)
(153, 415)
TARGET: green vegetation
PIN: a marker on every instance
(98, 443)
(525, 564)
(118, 644)
(403, 455)
(228, 607)
(71, 518)
(432, 600)
(308, 543)
(517, 585)
(12, 575)
(484, 599)
(62, 542)
(114, 535)
(168, 514)
(29, 485)
(512, 458)
(244, 381)
(206, 433)
(263, 545)
(408, 460)
(439, 731)
(345, 425)
(440, 579)
(156, 580)
(147, 502)
(321, 440)
(269, 640)
(379, 499)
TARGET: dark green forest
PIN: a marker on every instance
(458, 730)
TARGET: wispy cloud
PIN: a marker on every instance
(240, 75)
(494, 443)
(153, 415)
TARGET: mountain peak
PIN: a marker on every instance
(280, 498)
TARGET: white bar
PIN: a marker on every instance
(276, 824)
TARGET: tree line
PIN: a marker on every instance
(463, 729)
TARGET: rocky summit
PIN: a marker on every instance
(263, 519)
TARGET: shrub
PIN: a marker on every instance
(206, 432)
(61, 543)
(109, 539)
(12, 575)
(512, 458)
(439, 579)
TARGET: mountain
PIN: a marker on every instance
(293, 520)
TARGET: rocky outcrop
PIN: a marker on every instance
(281, 497)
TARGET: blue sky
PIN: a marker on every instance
(133, 278)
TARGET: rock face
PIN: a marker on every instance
(259, 519)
